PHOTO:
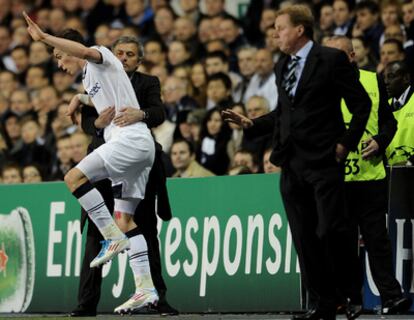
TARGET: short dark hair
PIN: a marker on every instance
(220, 76)
(397, 43)
(217, 54)
(188, 143)
(21, 47)
(72, 34)
(133, 40)
(372, 6)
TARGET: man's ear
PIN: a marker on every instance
(301, 30)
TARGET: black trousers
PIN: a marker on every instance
(367, 201)
(91, 278)
(315, 205)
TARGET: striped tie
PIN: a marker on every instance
(289, 77)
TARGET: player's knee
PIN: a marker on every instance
(123, 221)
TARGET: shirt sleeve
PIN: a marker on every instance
(106, 54)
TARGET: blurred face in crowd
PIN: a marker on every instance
(389, 15)
(286, 34)
(264, 62)
(80, 144)
(408, 13)
(246, 62)
(214, 7)
(20, 59)
(21, 36)
(35, 78)
(7, 83)
(177, 53)
(71, 5)
(153, 53)
(31, 175)
(267, 19)
(359, 49)
(164, 21)
(5, 39)
(11, 175)
(217, 91)
(38, 53)
(326, 17)
(134, 8)
(62, 81)
(341, 13)
(245, 159)
(389, 53)
(205, 30)
(342, 44)
(214, 124)
(64, 150)
(215, 64)
(269, 167)
(270, 41)
(173, 90)
(366, 19)
(394, 32)
(20, 102)
(42, 18)
(88, 4)
(13, 128)
(160, 72)
(30, 131)
(255, 108)
(127, 53)
(229, 31)
(101, 35)
(57, 20)
(49, 98)
(189, 6)
(198, 75)
(184, 29)
(181, 156)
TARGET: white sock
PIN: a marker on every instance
(94, 205)
(138, 261)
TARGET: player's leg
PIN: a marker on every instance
(79, 181)
(145, 293)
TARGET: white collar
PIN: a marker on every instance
(402, 99)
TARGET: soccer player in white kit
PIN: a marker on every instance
(125, 158)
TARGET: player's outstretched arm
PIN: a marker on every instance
(70, 47)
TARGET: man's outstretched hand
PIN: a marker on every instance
(237, 118)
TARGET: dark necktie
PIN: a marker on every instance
(289, 77)
(397, 105)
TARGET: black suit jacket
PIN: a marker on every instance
(309, 127)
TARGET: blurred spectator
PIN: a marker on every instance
(263, 82)
(363, 57)
(8, 83)
(62, 124)
(20, 56)
(6, 61)
(12, 132)
(62, 162)
(199, 82)
(272, 45)
(161, 73)
(183, 161)
(247, 68)
(20, 102)
(101, 35)
(215, 133)
(185, 30)
(190, 9)
(326, 20)
(178, 53)
(93, 13)
(32, 174)
(176, 98)
(79, 142)
(155, 52)
(11, 173)
(368, 25)
(407, 13)
(57, 20)
(236, 138)
(43, 18)
(140, 16)
(269, 167)
(36, 77)
(5, 12)
(219, 91)
(239, 170)
(20, 37)
(267, 21)
(391, 50)
(164, 24)
(195, 119)
(246, 158)
(39, 53)
(342, 15)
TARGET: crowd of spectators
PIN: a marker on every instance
(206, 60)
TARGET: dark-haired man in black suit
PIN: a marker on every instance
(310, 144)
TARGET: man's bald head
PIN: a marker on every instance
(342, 43)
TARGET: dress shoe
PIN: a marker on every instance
(315, 314)
(82, 313)
(353, 311)
(165, 309)
(396, 306)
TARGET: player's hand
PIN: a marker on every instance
(34, 30)
(127, 116)
(237, 118)
(105, 118)
(341, 152)
(72, 108)
(371, 149)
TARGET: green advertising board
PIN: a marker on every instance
(227, 249)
